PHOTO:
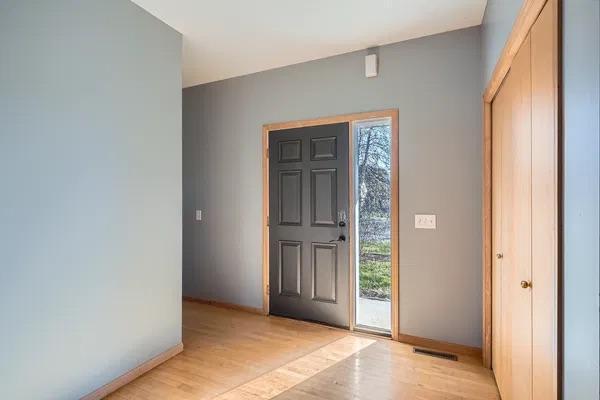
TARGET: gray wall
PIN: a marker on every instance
(498, 21)
(435, 83)
(90, 204)
(581, 83)
(581, 68)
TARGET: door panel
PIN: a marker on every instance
(323, 193)
(324, 258)
(290, 261)
(511, 172)
(290, 197)
(506, 264)
(518, 237)
(309, 267)
(290, 151)
(500, 117)
(544, 197)
(323, 148)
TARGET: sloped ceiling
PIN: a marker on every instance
(227, 38)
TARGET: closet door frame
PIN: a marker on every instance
(526, 18)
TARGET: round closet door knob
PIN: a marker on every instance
(525, 284)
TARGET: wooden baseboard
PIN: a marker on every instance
(230, 306)
(440, 346)
(141, 369)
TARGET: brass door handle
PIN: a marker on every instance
(499, 255)
(525, 284)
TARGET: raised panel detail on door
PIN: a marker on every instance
(290, 151)
(324, 271)
(290, 262)
(324, 148)
(323, 195)
(290, 197)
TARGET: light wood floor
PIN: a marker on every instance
(236, 355)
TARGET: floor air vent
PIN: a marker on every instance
(433, 353)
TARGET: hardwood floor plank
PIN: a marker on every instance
(284, 378)
(231, 354)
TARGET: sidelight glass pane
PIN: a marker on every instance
(373, 194)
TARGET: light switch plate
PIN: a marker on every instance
(425, 221)
(198, 215)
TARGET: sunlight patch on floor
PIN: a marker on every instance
(283, 378)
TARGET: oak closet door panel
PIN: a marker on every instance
(506, 264)
(503, 109)
(518, 235)
(500, 117)
(544, 193)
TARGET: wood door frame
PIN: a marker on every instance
(527, 16)
(392, 114)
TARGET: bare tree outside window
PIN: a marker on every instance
(374, 195)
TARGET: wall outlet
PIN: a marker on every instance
(198, 215)
(425, 221)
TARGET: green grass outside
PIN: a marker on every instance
(375, 270)
(382, 247)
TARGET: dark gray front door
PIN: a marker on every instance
(309, 248)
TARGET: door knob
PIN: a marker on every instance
(525, 284)
(499, 255)
(341, 238)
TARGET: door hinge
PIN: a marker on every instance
(268, 221)
(268, 152)
(268, 288)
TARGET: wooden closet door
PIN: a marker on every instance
(525, 218)
(517, 238)
(500, 124)
(544, 198)
(511, 174)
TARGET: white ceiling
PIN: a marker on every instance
(227, 38)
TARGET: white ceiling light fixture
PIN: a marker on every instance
(228, 38)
